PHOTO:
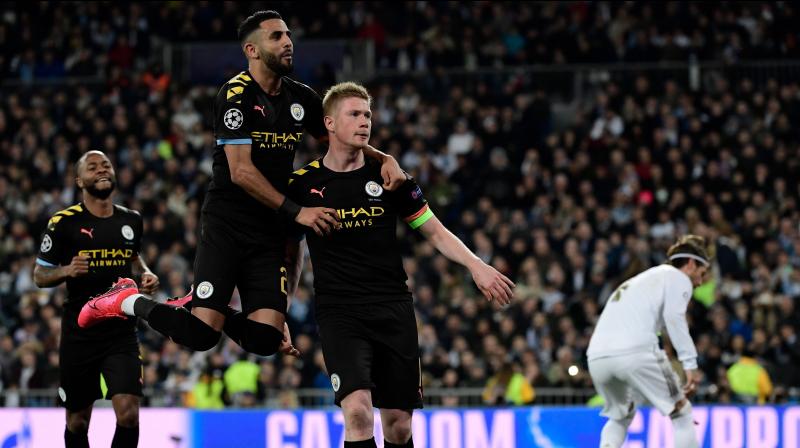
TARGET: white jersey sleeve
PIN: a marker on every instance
(678, 292)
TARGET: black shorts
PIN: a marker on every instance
(82, 362)
(373, 346)
(228, 258)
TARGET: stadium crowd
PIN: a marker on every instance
(568, 212)
(54, 39)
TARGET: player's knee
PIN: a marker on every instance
(628, 418)
(682, 409)
(204, 337)
(397, 425)
(128, 418)
(358, 417)
(399, 433)
(261, 339)
(77, 424)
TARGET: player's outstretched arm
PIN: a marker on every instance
(47, 277)
(393, 176)
(247, 176)
(493, 284)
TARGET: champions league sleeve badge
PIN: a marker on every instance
(233, 119)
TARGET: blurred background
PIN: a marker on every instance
(566, 143)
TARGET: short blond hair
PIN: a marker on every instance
(342, 91)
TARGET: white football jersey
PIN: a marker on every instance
(641, 307)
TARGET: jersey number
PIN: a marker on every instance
(618, 292)
(283, 280)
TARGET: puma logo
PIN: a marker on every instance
(319, 192)
(260, 109)
(88, 232)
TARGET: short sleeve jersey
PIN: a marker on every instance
(361, 262)
(273, 125)
(111, 245)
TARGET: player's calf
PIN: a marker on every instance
(180, 325)
(177, 323)
(76, 440)
(683, 425)
(408, 444)
(615, 430)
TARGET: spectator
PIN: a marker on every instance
(749, 381)
(209, 391)
(508, 387)
(241, 381)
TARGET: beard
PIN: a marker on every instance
(101, 194)
(273, 63)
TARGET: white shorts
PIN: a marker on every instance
(637, 378)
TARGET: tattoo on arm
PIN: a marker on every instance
(45, 277)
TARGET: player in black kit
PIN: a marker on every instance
(90, 245)
(261, 116)
(363, 306)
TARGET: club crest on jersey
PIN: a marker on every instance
(204, 290)
(336, 382)
(373, 189)
(47, 244)
(233, 119)
(297, 111)
(127, 232)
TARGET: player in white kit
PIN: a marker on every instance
(625, 360)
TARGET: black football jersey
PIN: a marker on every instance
(273, 126)
(361, 262)
(111, 244)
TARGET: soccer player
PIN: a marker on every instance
(89, 246)
(363, 307)
(261, 115)
(623, 353)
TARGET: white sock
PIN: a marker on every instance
(127, 304)
(614, 433)
(683, 424)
